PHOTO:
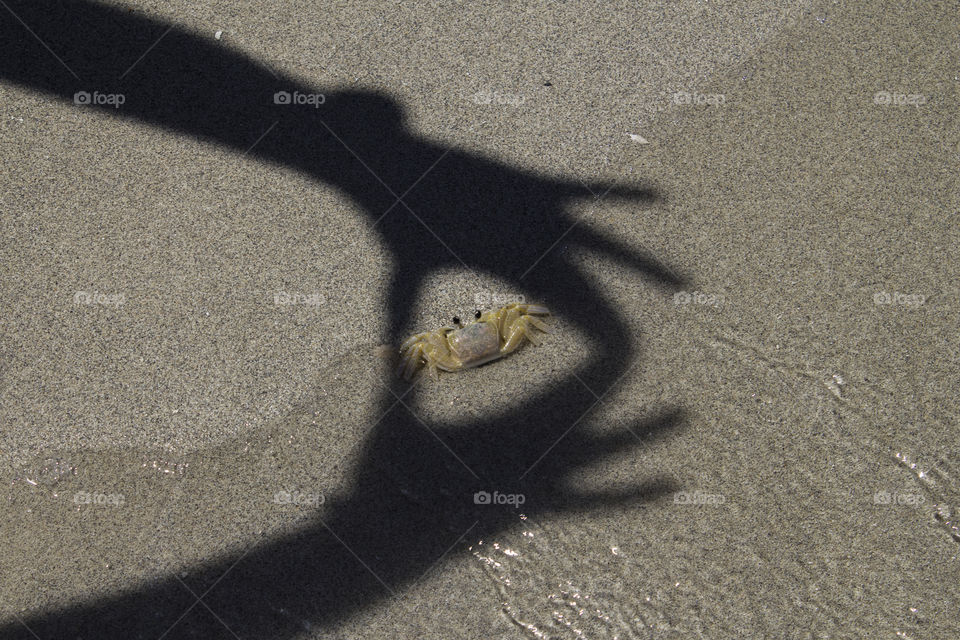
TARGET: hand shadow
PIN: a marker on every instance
(434, 207)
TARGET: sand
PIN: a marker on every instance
(743, 422)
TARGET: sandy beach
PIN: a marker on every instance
(220, 221)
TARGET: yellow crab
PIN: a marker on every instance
(492, 336)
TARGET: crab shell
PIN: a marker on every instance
(475, 344)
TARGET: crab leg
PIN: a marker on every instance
(410, 361)
(411, 340)
(523, 327)
(538, 323)
(531, 309)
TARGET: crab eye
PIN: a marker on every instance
(456, 320)
(477, 315)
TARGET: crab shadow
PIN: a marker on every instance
(434, 208)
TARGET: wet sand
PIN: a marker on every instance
(197, 391)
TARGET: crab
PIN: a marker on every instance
(493, 335)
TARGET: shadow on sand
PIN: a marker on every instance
(434, 207)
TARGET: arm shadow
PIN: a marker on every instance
(434, 207)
